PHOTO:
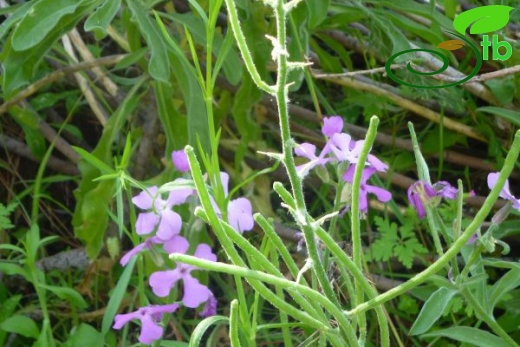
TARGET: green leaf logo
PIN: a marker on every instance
(483, 19)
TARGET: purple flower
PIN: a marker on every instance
(194, 292)
(339, 147)
(240, 215)
(445, 190)
(472, 239)
(161, 216)
(210, 309)
(505, 193)
(180, 161)
(332, 125)
(147, 244)
(168, 246)
(381, 194)
(149, 317)
(418, 193)
(308, 150)
(421, 192)
(239, 211)
(346, 149)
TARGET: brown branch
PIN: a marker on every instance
(405, 103)
(22, 150)
(56, 75)
(481, 78)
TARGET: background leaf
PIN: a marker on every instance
(21, 325)
(473, 336)
(102, 16)
(432, 310)
(510, 115)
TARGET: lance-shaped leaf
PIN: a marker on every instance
(483, 19)
(432, 310)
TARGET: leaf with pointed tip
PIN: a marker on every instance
(483, 19)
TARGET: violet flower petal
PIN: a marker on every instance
(180, 195)
(150, 330)
(194, 292)
(376, 163)
(340, 145)
(145, 199)
(204, 251)
(210, 309)
(146, 222)
(240, 215)
(170, 225)
(381, 194)
(158, 310)
(180, 161)
(306, 150)
(445, 190)
(120, 320)
(163, 281)
(332, 125)
(505, 193)
(177, 244)
(224, 179)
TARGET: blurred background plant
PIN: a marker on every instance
(130, 81)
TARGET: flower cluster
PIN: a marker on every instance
(340, 147)
(421, 193)
(159, 220)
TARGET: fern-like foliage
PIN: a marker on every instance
(5, 212)
(393, 242)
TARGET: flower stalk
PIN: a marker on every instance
(442, 261)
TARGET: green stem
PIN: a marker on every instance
(244, 50)
(287, 285)
(357, 250)
(233, 324)
(302, 217)
(457, 245)
(344, 261)
(232, 253)
(261, 263)
(488, 319)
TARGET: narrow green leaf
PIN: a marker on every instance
(93, 198)
(13, 269)
(174, 123)
(94, 161)
(510, 115)
(21, 325)
(102, 16)
(432, 310)
(117, 296)
(504, 285)
(483, 19)
(473, 336)
(12, 248)
(203, 326)
(66, 293)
